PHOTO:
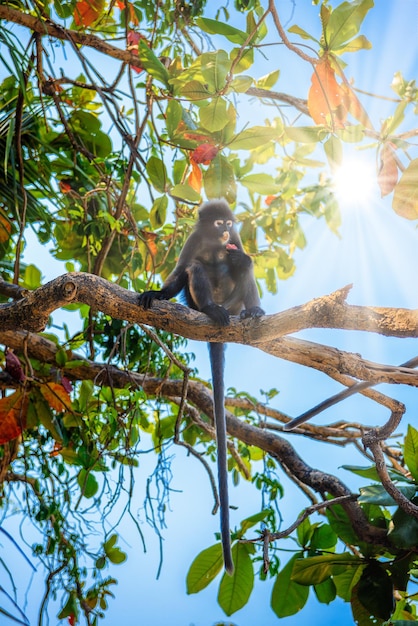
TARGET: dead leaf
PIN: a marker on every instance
(13, 410)
(195, 177)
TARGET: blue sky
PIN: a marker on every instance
(377, 253)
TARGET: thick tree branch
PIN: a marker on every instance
(32, 312)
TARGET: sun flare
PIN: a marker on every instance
(354, 183)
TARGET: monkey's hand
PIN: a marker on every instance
(238, 259)
(217, 314)
(145, 299)
(253, 312)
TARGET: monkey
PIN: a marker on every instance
(339, 397)
(217, 279)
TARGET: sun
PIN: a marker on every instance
(354, 183)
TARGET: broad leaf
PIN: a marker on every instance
(251, 138)
(157, 173)
(235, 590)
(215, 27)
(288, 597)
(405, 199)
(411, 451)
(315, 569)
(375, 591)
(260, 183)
(345, 21)
(204, 568)
(377, 494)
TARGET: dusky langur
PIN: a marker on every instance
(338, 397)
(217, 279)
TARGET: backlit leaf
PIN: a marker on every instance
(217, 27)
(344, 22)
(388, 172)
(326, 98)
(405, 199)
(157, 173)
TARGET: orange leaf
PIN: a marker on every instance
(88, 11)
(56, 396)
(5, 227)
(13, 411)
(326, 98)
(205, 153)
(388, 172)
(355, 107)
(195, 177)
(151, 247)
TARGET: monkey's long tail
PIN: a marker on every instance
(217, 362)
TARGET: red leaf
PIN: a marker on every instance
(388, 172)
(205, 153)
(14, 366)
(326, 98)
(13, 411)
(88, 11)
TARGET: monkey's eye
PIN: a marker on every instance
(218, 223)
(229, 223)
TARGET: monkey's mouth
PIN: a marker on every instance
(225, 237)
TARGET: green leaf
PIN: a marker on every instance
(251, 138)
(214, 117)
(297, 30)
(215, 27)
(375, 591)
(358, 43)
(194, 90)
(269, 80)
(185, 192)
(235, 590)
(288, 597)
(325, 591)
(174, 115)
(215, 68)
(334, 151)
(304, 134)
(371, 473)
(241, 84)
(33, 277)
(304, 532)
(345, 581)
(249, 522)
(405, 530)
(204, 568)
(263, 184)
(345, 21)
(377, 494)
(219, 179)
(158, 212)
(114, 554)
(157, 173)
(87, 483)
(411, 451)
(152, 64)
(323, 538)
(315, 569)
(405, 198)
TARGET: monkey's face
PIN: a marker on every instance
(223, 229)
